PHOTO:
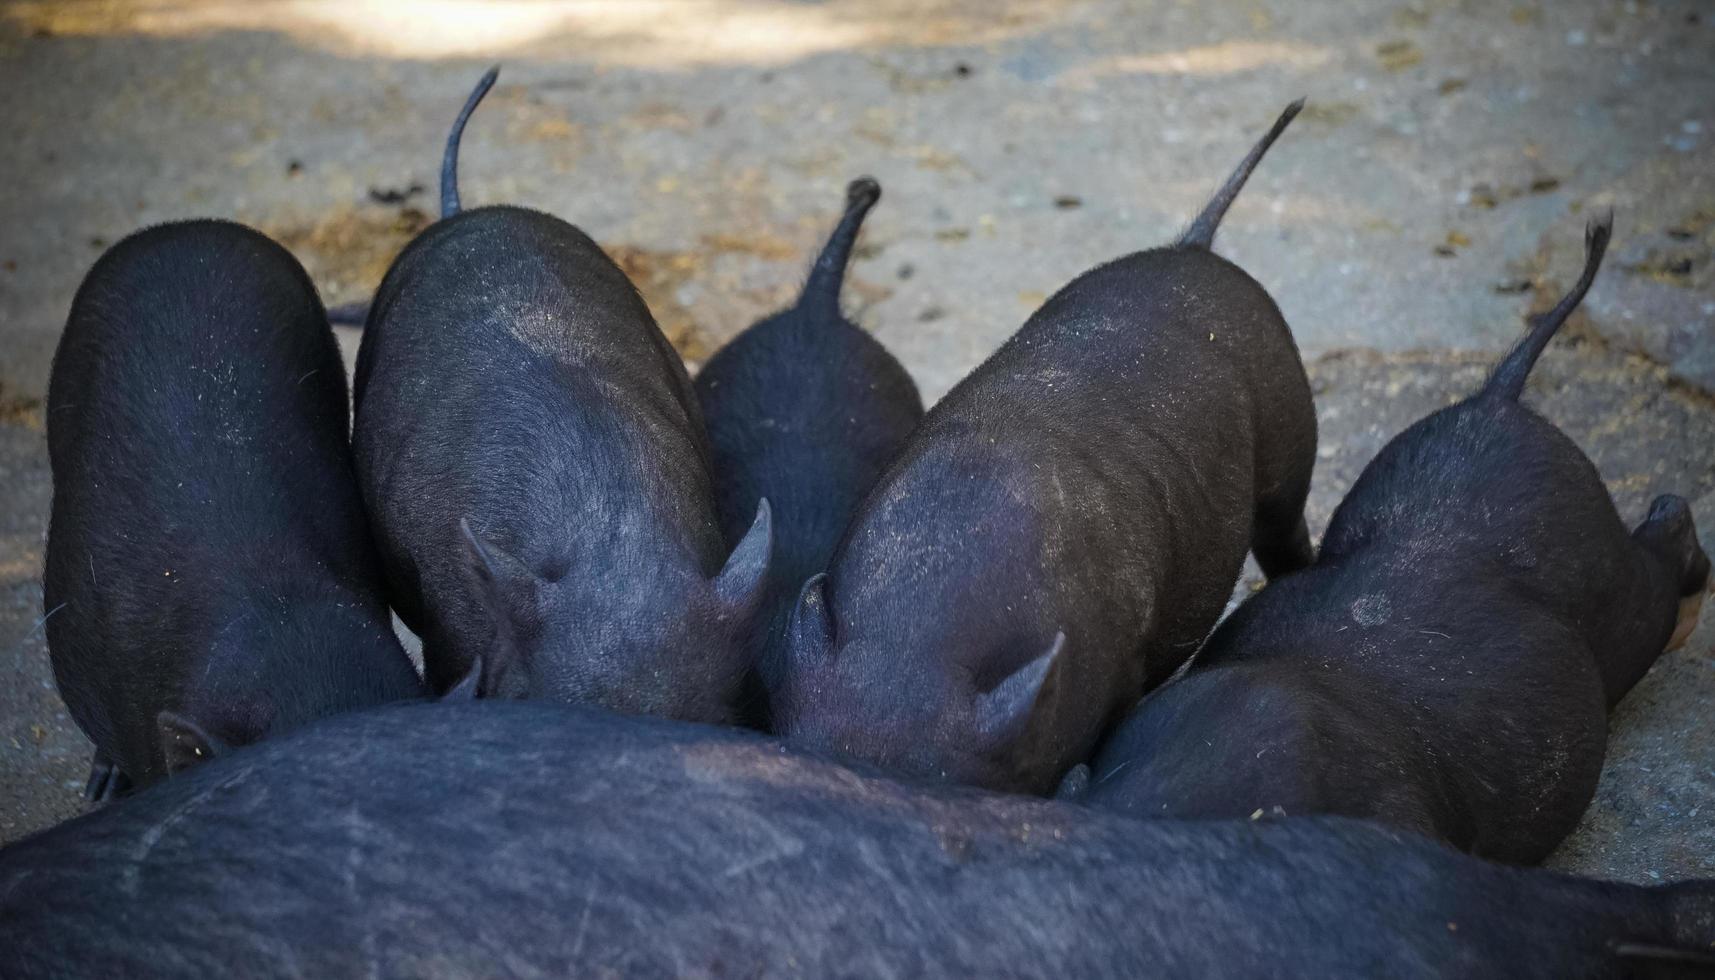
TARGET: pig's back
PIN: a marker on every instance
(1152, 335)
(524, 295)
(1146, 366)
(502, 319)
(198, 401)
(198, 372)
(1495, 485)
(569, 840)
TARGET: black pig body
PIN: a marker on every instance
(502, 839)
(1448, 662)
(210, 578)
(511, 379)
(1062, 529)
(804, 410)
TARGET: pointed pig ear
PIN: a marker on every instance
(1074, 784)
(508, 584)
(184, 743)
(810, 632)
(511, 593)
(466, 688)
(1002, 713)
(741, 584)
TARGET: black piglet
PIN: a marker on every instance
(210, 578)
(535, 464)
(1062, 529)
(804, 410)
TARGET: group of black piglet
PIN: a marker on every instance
(998, 592)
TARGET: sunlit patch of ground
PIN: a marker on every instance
(658, 33)
(1227, 57)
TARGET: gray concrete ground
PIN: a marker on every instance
(1434, 191)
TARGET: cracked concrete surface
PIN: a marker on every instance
(1434, 191)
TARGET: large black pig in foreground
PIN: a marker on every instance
(512, 382)
(514, 839)
(1063, 528)
(804, 410)
(1448, 662)
(210, 578)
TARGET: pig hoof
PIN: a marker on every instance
(1690, 608)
